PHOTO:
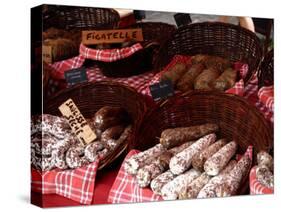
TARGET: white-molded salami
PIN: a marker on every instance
(194, 187)
(182, 161)
(201, 157)
(219, 160)
(265, 159)
(137, 161)
(209, 189)
(171, 190)
(152, 170)
(231, 182)
(158, 183)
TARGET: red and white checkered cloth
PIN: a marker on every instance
(56, 83)
(126, 190)
(141, 82)
(266, 96)
(237, 89)
(255, 186)
(77, 184)
(109, 55)
(251, 94)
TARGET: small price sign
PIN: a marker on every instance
(75, 76)
(77, 122)
(162, 90)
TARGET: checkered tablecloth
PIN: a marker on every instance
(126, 190)
(251, 94)
(57, 82)
(109, 55)
(266, 96)
(77, 184)
(255, 186)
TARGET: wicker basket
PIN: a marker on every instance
(82, 18)
(237, 119)
(214, 38)
(154, 34)
(90, 97)
(266, 71)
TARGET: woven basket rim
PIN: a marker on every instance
(238, 28)
(138, 112)
(230, 97)
(86, 84)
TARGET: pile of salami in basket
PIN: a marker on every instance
(202, 72)
(54, 145)
(189, 162)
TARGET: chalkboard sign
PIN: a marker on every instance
(75, 76)
(162, 90)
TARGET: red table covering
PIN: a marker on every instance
(103, 183)
(255, 186)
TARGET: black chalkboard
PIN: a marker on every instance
(162, 90)
(75, 76)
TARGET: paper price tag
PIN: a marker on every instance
(111, 36)
(77, 122)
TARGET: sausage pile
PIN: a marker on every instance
(204, 72)
(53, 145)
(190, 162)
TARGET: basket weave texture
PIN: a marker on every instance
(90, 97)
(214, 38)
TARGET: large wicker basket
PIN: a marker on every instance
(154, 34)
(82, 18)
(214, 38)
(237, 119)
(90, 97)
(266, 71)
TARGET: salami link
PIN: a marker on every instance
(158, 182)
(200, 158)
(174, 137)
(265, 176)
(171, 190)
(137, 161)
(152, 170)
(194, 187)
(220, 159)
(113, 143)
(178, 149)
(231, 182)
(209, 189)
(112, 133)
(265, 159)
(182, 161)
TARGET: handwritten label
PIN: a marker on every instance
(75, 76)
(162, 90)
(47, 53)
(111, 36)
(77, 122)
